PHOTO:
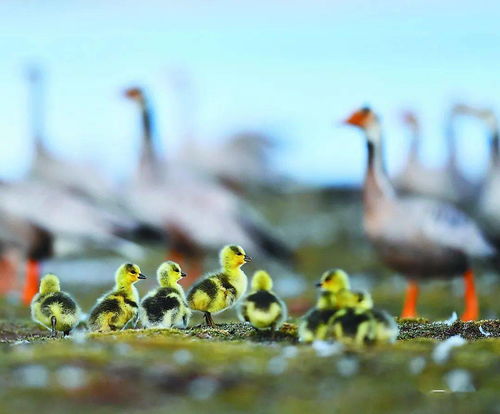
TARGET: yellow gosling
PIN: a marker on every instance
(314, 325)
(354, 322)
(216, 292)
(166, 306)
(117, 308)
(53, 308)
(262, 308)
(334, 280)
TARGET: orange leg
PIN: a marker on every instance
(7, 275)
(471, 312)
(31, 282)
(410, 305)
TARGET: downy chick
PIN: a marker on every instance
(314, 324)
(166, 306)
(117, 308)
(262, 308)
(354, 321)
(216, 292)
(53, 308)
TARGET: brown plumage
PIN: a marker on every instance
(418, 237)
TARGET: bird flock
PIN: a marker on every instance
(340, 314)
(417, 225)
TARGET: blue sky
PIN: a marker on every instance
(294, 68)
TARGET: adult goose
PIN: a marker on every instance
(420, 238)
(195, 212)
(488, 208)
(446, 183)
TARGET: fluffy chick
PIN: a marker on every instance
(53, 308)
(119, 307)
(262, 308)
(314, 325)
(165, 306)
(216, 292)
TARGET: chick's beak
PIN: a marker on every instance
(183, 274)
(247, 258)
(142, 276)
(319, 284)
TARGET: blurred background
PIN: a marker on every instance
(139, 131)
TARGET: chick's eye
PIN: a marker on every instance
(133, 272)
(177, 270)
(239, 254)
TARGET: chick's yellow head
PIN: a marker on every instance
(49, 283)
(128, 273)
(169, 273)
(233, 256)
(334, 280)
(262, 281)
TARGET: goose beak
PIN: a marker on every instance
(247, 258)
(319, 284)
(183, 274)
(142, 276)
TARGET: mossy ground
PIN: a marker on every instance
(234, 369)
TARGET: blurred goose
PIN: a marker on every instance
(417, 237)
(196, 213)
(489, 199)
(446, 183)
(240, 162)
(82, 179)
(52, 214)
(22, 240)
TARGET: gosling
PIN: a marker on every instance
(216, 292)
(119, 307)
(262, 308)
(314, 326)
(54, 309)
(166, 306)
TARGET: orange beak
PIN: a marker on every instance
(133, 93)
(358, 119)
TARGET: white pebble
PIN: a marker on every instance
(459, 380)
(290, 351)
(33, 376)
(417, 365)
(347, 367)
(453, 318)
(485, 333)
(182, 356)
(442, 350)
(326, 349)
(277, 365)
(71, 377)
(203, 388)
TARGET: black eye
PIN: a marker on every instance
(177, 270)
(239, 254)
(133, 272)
